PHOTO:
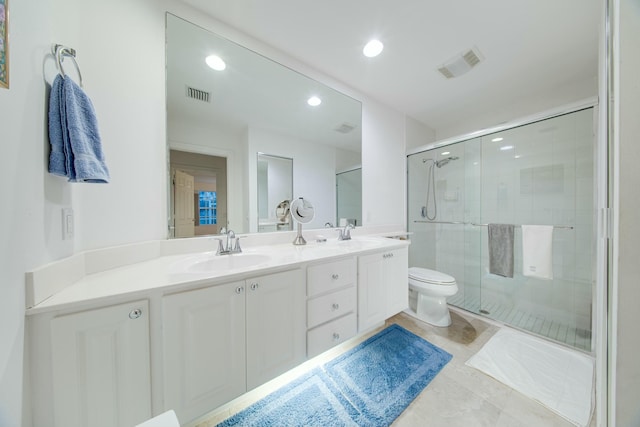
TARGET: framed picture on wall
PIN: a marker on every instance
(4, 43)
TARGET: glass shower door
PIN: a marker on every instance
(542, 174)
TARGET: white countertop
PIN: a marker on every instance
(171, 272)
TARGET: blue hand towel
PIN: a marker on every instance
(73, 134)
(58, 156)
(84, 137)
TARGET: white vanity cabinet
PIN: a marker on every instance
(383, 287)
(223, 340)
(331, 304)
(100, 367)
(122, 345)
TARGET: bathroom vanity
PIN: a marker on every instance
(190, 331)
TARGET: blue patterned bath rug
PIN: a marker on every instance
(369, 385)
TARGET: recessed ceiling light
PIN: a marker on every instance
(497, 139)
(373, 48)
(215, 62)
(444, 153)
(314, 101)
(517, 156)
(506, 147)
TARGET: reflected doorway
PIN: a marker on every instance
(198, 202)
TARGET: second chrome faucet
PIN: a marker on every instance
(345, 233)
(230, 247)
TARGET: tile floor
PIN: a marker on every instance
(458, 396)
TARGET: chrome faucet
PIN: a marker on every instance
(229, 248)
(345, 233)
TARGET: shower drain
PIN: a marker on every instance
(484, 312)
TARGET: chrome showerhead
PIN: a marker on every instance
(441, 163)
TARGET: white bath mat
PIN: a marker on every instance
(559, 378)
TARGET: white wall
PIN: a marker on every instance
(418, 134)
(31, 199)
(626, 290)
(383, 165)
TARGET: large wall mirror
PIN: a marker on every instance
(223, 111)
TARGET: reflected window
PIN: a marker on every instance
(207, 208)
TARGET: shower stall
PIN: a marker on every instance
(539, 173)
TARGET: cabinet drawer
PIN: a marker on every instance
(331, 334)
(326, 277)
(327, 307)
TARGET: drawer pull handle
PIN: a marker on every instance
(335, 306)
(239, 289)
(136, 313)
(254, 286)
(336, 336)
(335, 276)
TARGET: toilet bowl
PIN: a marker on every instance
(428, 292)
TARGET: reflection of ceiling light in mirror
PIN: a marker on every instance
(314, 101)
(506, 147)
(444, 153)
(497, 139)
(475, 163)
(215, 62)
(517, 156)
(373, 48)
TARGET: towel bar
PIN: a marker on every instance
(60, 51)
(568, 227)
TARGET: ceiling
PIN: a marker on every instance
(531, 49)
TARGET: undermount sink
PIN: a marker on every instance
(210, 262)
(358, 243)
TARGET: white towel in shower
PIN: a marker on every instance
(537, 251)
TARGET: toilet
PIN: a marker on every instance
(428, 292)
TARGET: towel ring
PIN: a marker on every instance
(60, 52)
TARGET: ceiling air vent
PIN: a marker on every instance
(461, 63)
(197, 94)
(345, 128)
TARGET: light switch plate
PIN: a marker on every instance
(67, 223)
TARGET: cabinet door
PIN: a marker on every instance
(101, 369)
(383, 286)
(372, 304)
(203, 348)
(276, 331)
(397, 277)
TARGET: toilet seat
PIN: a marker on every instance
(431, 277)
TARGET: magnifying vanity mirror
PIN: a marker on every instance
(232, 120)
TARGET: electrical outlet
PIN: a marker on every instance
(67, 223)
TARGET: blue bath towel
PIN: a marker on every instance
(73, 134)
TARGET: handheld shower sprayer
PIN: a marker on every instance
(431, 186)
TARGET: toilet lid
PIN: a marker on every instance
(430, 276)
